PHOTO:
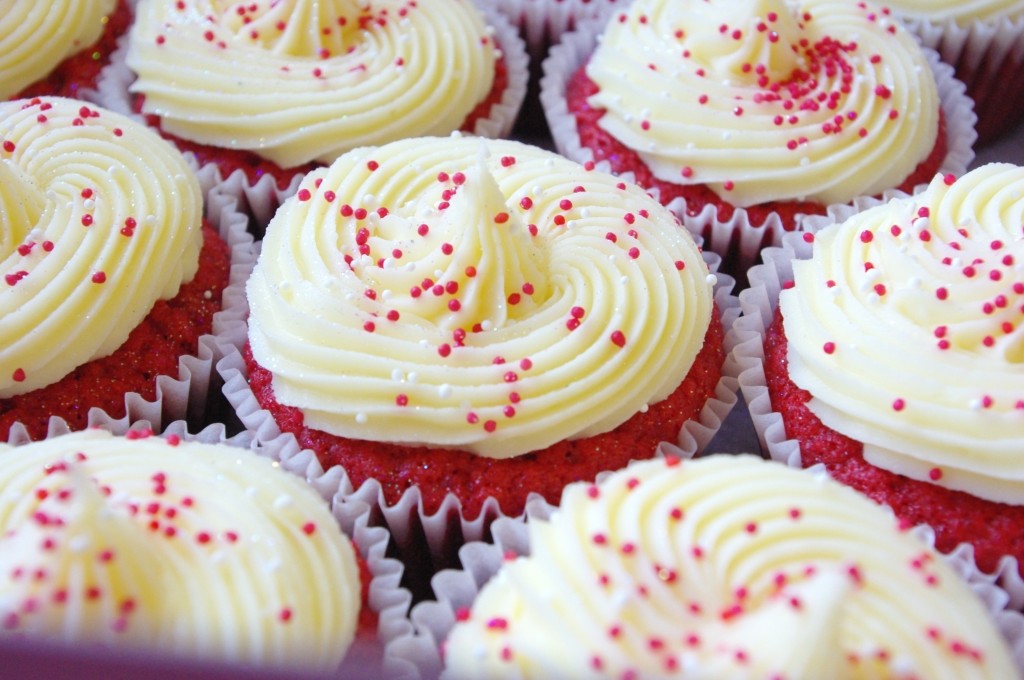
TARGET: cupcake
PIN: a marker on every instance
(464, 322)
(281, 87)
(111, 276)
(180, 548)
(893, 358)
(57, 48)
(744, 119)
(984, 42)
(728, 566)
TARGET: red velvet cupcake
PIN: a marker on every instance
(984, 43)
(57, 48)
(131, 517)
(743, 124)
(890, 359)
(494, 322)
(277, 89)
(112, 278)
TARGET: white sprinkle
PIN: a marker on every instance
(78, 544)
(444, 391)
(711, 280)
(361, 418)
(397, 375)
(272, 566)
(413, 377)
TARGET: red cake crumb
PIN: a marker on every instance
(994, 529)
(255, 166)
(366, 628)
(171, 330)
(82, 70)
(473, 478)
(623, 159)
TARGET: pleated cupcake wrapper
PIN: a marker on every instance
(386, 597)
(261, 199)
(416, 655)
(736, 239)
(758, 304)
(185, 396)
(543, 22)
(988, 56)
(430, 542)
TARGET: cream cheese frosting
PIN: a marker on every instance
(304, 80)
(724, 567)
(958, 11)
(36, 36)
(186, 548)
(101, 218)
(764, 100)
(907, 327)
(477, 294)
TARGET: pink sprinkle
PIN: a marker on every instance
(829, 347)
(898, 404)
(99, 277)
(618, 338)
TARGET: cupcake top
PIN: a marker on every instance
(101, 219)
(36, 36)
(476, 294)
(188, 548)
(958, 11)
(766, 100)
(726, 566)
(310, 78)
(907, 328)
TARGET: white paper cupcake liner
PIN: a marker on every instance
(261, 199)
(543, 22)
(185, 396)
(388, 600)
(758, 304)
(416, 655)
(736, 239)
(988, 56)
(431, 541)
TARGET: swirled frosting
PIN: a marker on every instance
(191, 549)
(764, 100)
(476, 294)
(907, 328)
(100, 218)
(304, 80)
(957, 10)
(724, 567)
(36, 36)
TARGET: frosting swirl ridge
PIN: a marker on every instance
(476, 294)
(906, 327)
(766, 100)
(311, 78)
(187, 548)
(727, 566)
(36, 36)
(90, 200)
